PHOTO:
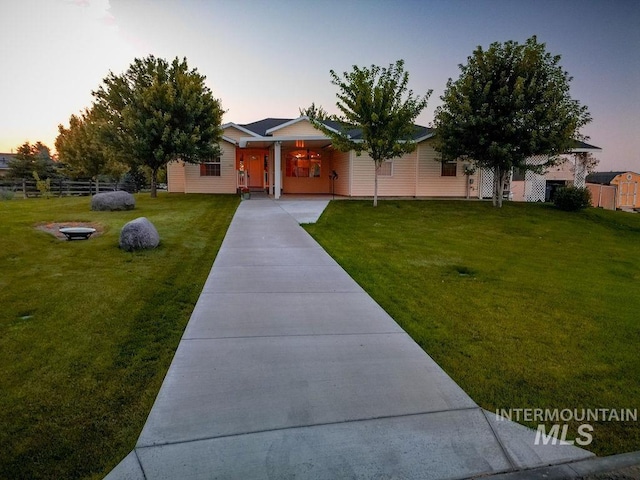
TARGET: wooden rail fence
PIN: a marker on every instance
(62, 187)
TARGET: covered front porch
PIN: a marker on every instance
(285, 167)
(292, 158)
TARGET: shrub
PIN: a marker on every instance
(572, 199)
(6, 194)
(43, 186)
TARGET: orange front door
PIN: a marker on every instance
(255, 170)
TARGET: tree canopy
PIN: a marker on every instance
(157, 112)
(510, 102)
(314, 112)
(32, 158)
(378, 102)
(80, 149)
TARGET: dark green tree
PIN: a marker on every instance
(511, 102)
(32, 158)
(81, 151)
(378, 102)
(312, 111)
(157, 112)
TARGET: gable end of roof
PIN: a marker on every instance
(602, 178)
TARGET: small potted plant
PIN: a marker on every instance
(245, 193)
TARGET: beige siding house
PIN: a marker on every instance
(291, 156)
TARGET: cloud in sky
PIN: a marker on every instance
(270, 58)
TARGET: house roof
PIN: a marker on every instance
(4, 160)
(603, 178)
(261, 126)
(579, 146)
(269, 126)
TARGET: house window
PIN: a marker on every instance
(210, 169)
(449, 169)
(303, 164)
(385, 169)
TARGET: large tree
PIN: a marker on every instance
(157, 112)
(32, 158)
(510, 102)
(81, 151)
(317, 113)
(378, 102)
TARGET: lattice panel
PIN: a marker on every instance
(535, 187)
(486, 189)
(580, 172)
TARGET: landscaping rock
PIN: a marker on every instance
(138, 234)
(110, 201)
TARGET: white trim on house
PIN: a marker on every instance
(585, 150)
(424, 137)
(244, 141)
(351, 156)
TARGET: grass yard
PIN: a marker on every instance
(525, 307)
(87, 331)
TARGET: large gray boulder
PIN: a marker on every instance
(119, 200)
(138, 234)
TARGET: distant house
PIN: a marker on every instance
(614, 190)
(4, 163)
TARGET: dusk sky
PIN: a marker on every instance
(268, 59)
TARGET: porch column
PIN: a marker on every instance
(277, 174)
(272, 168)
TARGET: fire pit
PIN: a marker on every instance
(77, 233)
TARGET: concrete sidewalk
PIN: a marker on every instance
(288, 369)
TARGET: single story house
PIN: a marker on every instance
(291, 156)
(613, 190)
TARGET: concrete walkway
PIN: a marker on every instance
(288, 369)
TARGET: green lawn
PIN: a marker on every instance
(525, 307)
(87, 331)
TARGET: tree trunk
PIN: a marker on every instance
(502, 179)
(154, 175)
(499, 177)
(496, 177)
(375, 186)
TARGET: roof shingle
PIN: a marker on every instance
(262, 126)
